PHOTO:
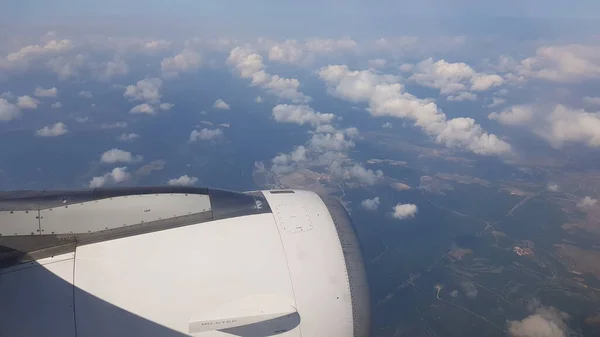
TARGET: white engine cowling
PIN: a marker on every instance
(179, 261)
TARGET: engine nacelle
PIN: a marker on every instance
(179, 261)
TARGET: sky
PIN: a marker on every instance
(263, 10)
(305, 18)
(485, 79)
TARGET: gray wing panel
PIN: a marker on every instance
(37, 224)
(42, 199)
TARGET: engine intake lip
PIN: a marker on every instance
(355, 267)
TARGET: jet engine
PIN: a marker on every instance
(179, 261)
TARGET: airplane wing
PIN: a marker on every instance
(179, 261)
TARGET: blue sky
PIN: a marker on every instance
(466, 76)
(263, 10)
(304, 18)
(299, 19)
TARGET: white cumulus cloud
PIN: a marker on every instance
(8, 111)
(8, 95)
(185, 61)
(323, 142)
(557, 124)
(404, 211)
(250, 65)
(117, 175)
(220, 104)
(27, 102)
(377, 63)
(568, 125)
(298, 155)
(351, 132)
(290, 51)
(166, 106)
(562, 63)
(143, 108)
(515, 115)
(484, 82)
(54, 130)
(325, 128)
(327, 150)
(587, 202)
(156, 45)
(453, 77)
(145, 90)
(127, 137)
(86, 94)
(386, 97)
(552, 187)
(370, 204)
(304, 52)
(41, 92)
(184, 180)
(543, 322)
(115, 67)
(286, 88)
(284, 162)
(300, 114)
(326, 46)
(463, 96)
(205, 134)
(23, 56)
(246, 62)
(496, 101)
(113, 156)
(591, 100)
(66, 67)
(363, 175)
